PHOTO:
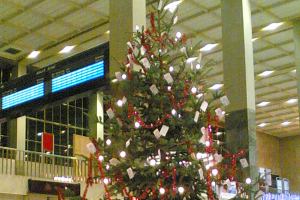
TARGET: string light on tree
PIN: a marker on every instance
(194, 90)
(105, 181)
(108, 142)
(198, 66)
(100, 158)
(214, 172)
(174, 112)
(137, 125)
(181, 190)
(162, 191)
(152, 162)
(171, 69)
(124, 76)
(248, 181)
(122, 154)
(178, 35)
(120, 103)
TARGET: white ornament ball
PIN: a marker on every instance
(152, 162)
(122, 154)
(100, 158)
(105, 181)
(108, 142)
(194, 90)
(214, 172)
(173, 112)
(248, 181)
(162, 191)
(124, 76)
(137, 125)
(120, 103)
(178, 35)
(181, 190)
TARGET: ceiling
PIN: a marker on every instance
(50, 25)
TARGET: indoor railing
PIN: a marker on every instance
(42, 165)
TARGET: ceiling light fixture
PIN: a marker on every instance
(208, 47)
(263, 103)
(291, 101)
(67, 49)
(33, 54)
(272, 26)
(173, 6)
(265, 73)
(216, 86)
(285, 123)
(262, 125)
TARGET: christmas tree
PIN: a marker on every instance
(163, 124)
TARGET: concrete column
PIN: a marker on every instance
(239, 79)
(17, 128)
(297, 55)
(124, 16)
(96, 115)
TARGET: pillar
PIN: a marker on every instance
(239, 80)
(96, 115)
(17, 128)
(125, 15)
(296, 31)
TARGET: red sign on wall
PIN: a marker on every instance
(48, 142)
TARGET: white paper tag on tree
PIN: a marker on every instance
(204, 106)
(118, 76)
(130, 173)
(145, 62)
(110, 113)
(196, 118)
(128, 143)
(143, 50)
(163, 131)
(114, 161)
(200, 171)
(91, 148)
(219, 112)
(156, 133)
(244, 163)
(154, 89)
(168, 78)
(224, 100)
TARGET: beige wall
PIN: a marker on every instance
(268, 152)
(290, 161)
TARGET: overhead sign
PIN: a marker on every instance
(79, 74)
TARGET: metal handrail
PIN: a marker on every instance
(41, 165)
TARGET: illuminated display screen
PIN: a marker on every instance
(79, 76)
(22, 96)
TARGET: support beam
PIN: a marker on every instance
(296, 30)
(17, 128)
(239, 80)
(124, 16)
(96, 116)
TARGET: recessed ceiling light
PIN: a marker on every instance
(208, 47)
(263, 103)
(33, 54)
(216, 86)
(265, 73)
(262, 124)
(285, 123)
(272, 26)
(291, 101)
(254, 39)
(67, 49)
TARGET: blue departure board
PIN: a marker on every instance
(79, 76)
(23, 96)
